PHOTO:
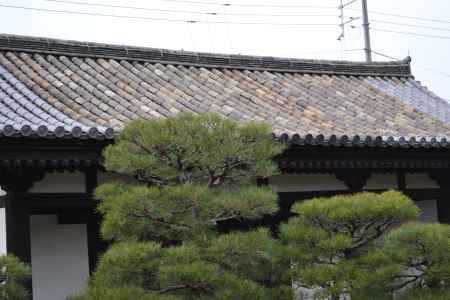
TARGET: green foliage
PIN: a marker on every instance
(129, 264)
(190, 148)
(426, 295)
(195, 172)
(254, 255)
(330, 239)
(13, 277)
(121, 293)
(177, 212)
(232, 266)
(422, 251)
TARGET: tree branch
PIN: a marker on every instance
(222, 216)
(183, 287)
(413, 279)
(148, 215)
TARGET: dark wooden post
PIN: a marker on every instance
(443, 201)
(401, 180)
(18, 240)
(96, 246)
(17, 211)
(16, 182)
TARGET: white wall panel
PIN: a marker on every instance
(2, 225)
(105, 177)
(59, 256)
(67, 182)
(2, 232)
(429, 211)
(420, 181)
(381, 181)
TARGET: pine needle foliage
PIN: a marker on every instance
(14, 276)
(193, 149)
(194, 172)
(422, 253)
(330, 238)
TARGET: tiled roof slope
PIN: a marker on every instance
(54, 88)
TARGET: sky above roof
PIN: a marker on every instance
(289, 28)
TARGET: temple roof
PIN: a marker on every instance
(65, 89)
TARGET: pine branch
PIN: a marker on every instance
(173, 288)
(197, 287)
(414, 278)
(222, 216)
(149, 215)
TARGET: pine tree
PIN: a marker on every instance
(332, 242)
(421, 254)
(195, 174)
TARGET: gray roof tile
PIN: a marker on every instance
(71, 89)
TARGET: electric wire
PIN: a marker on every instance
(404, 16)
(309, 6)
(412, 33)
(410, 25)
(427, 69)
(162, 19)
(385, 55)
(251, 5)
(214, 13)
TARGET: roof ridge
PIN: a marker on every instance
(211, 60)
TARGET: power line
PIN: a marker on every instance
(434, 71)
(309, 6)
(405, 16)
(162, 19)
(411, 25)
(330, 51)
(188, 11)
(413, 34)
(384, 55)
(251, 5)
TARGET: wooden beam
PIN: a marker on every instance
(54, 203)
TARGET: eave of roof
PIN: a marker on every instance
(291, 139)
(208, 60)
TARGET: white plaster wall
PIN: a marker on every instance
(324, 182)
(420, 181)
(429, 211)
(381, 181)
(306, 183)
(2, 225)
(67, 182)
(2, 232)
(105, 177)
(59, 256)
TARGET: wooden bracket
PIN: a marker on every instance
(355, 180)
(20, 179)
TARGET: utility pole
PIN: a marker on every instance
(367, 47)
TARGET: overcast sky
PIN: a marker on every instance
(221, 28)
